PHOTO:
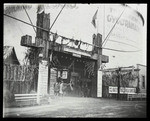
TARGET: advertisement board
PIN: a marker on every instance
(123, 90)
(127, 30)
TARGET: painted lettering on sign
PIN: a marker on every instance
(128, 28)
(123, 22)
(123, 90)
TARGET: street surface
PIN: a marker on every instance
(73, 107)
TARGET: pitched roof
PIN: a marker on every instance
(9, 55)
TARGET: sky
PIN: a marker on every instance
(75, 22)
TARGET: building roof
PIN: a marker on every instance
(9, 55)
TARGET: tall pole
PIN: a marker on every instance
(119, 79)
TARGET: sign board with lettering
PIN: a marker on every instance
(123, 90)
(128, 28)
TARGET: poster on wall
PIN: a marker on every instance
(64, 74)
(123, 90)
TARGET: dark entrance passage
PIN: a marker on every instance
(77, 73)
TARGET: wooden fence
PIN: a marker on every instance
(111, 79)
(18, 79)
(17, 73)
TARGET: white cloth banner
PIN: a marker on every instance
(99, 84)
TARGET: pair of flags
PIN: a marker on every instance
(94, 19)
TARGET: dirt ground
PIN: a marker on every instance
(74, 107)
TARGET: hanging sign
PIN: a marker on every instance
(76, 51)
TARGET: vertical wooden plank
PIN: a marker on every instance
(17, 72)
(22, 67)
(46, 25)
(9, 72)
(12, 72)
(4, 72)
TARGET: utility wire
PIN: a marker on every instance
(119, 50)
(57, 17)
(123, 43)
(29, 18)
(26, 22)
(113, 27)
(66, 37)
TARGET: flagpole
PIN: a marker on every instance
(97, 26)
(103, 22)
(97, 21)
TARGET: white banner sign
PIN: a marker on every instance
(43, 78)
(123, 90)
(99, 84)
(76, 51)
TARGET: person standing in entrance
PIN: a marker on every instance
(61, 88)
(56, 88)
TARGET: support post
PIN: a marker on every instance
(119, 79)
(43, 21)
(99, 63)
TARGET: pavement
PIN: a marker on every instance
(81, 107)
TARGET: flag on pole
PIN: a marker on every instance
(40, 9)
(94, 19)
(55, 37)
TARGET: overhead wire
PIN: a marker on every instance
(113, 27)
(120, 50)
(106, 39)
(65, 37)
(57, 17)
(29, 18)
(123, 43)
